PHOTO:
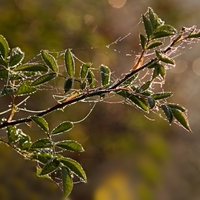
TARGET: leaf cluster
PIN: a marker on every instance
(24, 79)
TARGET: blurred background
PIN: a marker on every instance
(127, 156)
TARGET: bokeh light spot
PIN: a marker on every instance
(117, 3)
(196, 66)
(181, 66)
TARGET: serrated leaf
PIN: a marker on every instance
(43, 79)
(69, 63)
(70, 145)
(68, 84)
(139, 102)
(41, 122)
(16, 56)
(49, 60)
(91, 79)
(41, 143)
(105, 75)
(181, 118)
(176, 106)
(164, 58)
(167, 112)
(151, 102)
(50, 167)
(62, 127)
(34, 67)
(4, 47)
(25, 89)
(147, 26)
(154, 19)
(67, 181)
(161, 95)
(154, 44)
(84, 70)
(163, 31)
(75, 167)
(143, 41)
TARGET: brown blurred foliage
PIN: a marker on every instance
(127, 156)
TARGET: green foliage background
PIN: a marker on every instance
(126, 153)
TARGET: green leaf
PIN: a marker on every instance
(84, 70)
(16, 56)
(12, 133)
(38, 171)
(147, 26)
(3, 61)
(68, 84)
(164, 58)
(162, 71)
(143, 41)
(139, 102)
(42, 157)
(163, 31)
(4, 48)
(41, 122)
(75, 167)
(154, 44)
(145, 86)
(49, 60)
(3, 74)
(24, 141)
(50, 167)
(8, 90)
(41, 143)
(91, 79)
(34, 67)
(69, 63)
(151, 102)
(25, 88)
(62, 127)
(181, 118)
(70, 145)
(67, 182)
(43, 79)
(194, 35)
(105, 75)
(168, 113)
(154, 19)
(176, 106)
(161, 95)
